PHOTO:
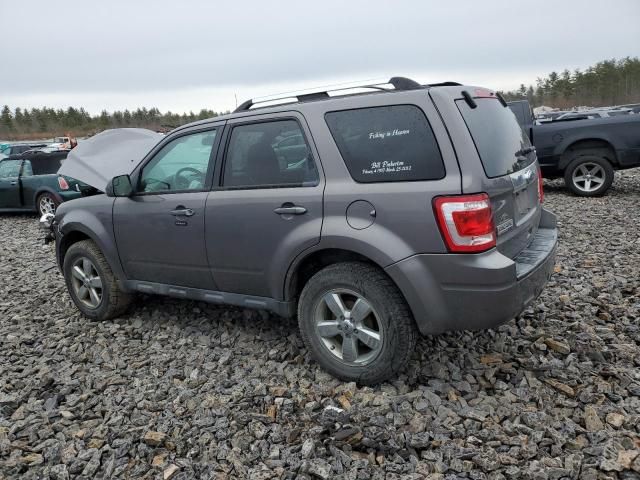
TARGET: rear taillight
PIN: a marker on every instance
(540, 186)
(64, 185)
(466, 222)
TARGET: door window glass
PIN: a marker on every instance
(269, 154)
(27, 169)
(10, 168)
(182, 164)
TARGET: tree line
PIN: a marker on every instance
(23, 123)
(607, 83)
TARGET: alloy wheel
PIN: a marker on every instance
(588, 177)
(86, 281)
(46, 205)
(349, 327)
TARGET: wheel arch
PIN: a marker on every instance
(67, 240)
(602, 146)
(74, 232)
(45, 189)
(304, 267)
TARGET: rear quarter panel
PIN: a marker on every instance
(404, 222)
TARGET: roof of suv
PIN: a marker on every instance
(398, 84)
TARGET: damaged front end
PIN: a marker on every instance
(47, 224)
(95, 161)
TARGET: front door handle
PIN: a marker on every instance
(14, 183)
(290, 210)
(181, 211)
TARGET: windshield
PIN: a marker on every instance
(503, 146)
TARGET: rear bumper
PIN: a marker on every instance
(470, 292)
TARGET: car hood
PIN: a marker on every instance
(115, 152)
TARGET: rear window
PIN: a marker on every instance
(386, 144)
(46, 165)
(497, 135)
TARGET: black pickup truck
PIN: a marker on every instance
(585, 152)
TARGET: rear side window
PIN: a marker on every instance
(269, 154)
(386, 144)
(501, 143)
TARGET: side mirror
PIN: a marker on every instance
(119, 186)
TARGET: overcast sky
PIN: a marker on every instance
(186, 55)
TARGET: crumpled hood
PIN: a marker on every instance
(98, 159)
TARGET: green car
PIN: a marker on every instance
(30, 182)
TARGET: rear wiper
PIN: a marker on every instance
(525, 151)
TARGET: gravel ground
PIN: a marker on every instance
(180, 389)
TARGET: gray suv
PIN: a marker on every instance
(372, 215)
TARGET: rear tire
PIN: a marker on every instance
(46, 203)
(91, 283)
(356, 323)
(588, 174)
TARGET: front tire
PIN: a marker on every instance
(91, 283)
(356, 323)
(46, 203)
(589, 175)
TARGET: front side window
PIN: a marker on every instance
(182, 164)
(386, 144)
(10, 168)
(269, 154)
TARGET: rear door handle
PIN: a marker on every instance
(293, 210)
(181, 211)
(14, 183)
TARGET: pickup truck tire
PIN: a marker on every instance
(46, 203)
(588, 174)
(91, 283)
(356, 323)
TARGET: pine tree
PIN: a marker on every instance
(6, 120)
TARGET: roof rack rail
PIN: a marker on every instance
(398, 83)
